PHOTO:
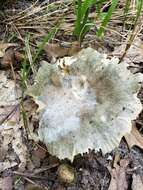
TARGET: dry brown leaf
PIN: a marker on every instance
(4, 46)
(57, 50)
(8, 94)
(118, 176)
(10, 58)
(60, 188)
(137, 183)
(3, 153)
(18, 56)
(6, 112)
(134, 53)
(39, 153)
(134, 138)
(7, 164)
(7, 183)
(10, 133)
(32, 187)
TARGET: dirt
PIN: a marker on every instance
(93, 171)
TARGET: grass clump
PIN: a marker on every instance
(83, 23)
(30, 60)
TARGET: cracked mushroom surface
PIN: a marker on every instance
(85, 101)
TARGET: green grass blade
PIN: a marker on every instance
(84, 30)
(82, 12)
(85, 18)
(78, 17)
(26, 68)
(85, 6)
(45, 40)
(106, 19)
(126, 10)
(28, 53)
(98, 8)
(139, 5)
(86, 25)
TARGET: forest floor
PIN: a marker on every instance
(26, 164)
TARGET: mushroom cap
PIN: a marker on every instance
(85, 101)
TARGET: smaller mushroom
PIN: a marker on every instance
(66, 174)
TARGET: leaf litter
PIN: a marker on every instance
(118, 176)
(12, 149)
(93, 170)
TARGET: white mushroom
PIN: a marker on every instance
(89, 103)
